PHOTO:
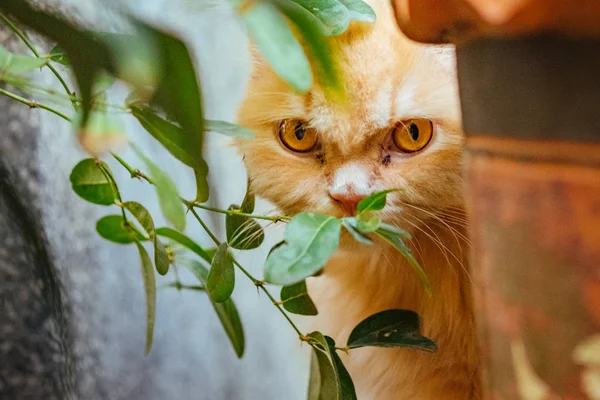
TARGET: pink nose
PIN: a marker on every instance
(348, 200)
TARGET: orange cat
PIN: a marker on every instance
(399, 129)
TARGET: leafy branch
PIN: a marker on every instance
(33, 104)
(33, 49)
(166, 100)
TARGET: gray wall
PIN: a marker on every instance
(191, 357)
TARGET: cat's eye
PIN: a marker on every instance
(412, 135)
(296, 136)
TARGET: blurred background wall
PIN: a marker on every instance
(80, 334)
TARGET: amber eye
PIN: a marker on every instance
(296, 136)
(412, 134)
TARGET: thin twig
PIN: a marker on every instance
(274, 219)
(257, 282)
(113, 183)
(31, 46)
(33, 104)
(135, 173)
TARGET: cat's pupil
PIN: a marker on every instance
(414, 131)
(299, 131)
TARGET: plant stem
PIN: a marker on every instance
(135, 173)
(33, 104)
(257, 282)
(275, 219)
(113, 183)
(32, 88)
(179, 286)
(31, 46)
(19, 33)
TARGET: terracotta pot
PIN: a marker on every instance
(438, 21)
(531, 110)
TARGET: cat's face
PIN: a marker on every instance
(399, 129)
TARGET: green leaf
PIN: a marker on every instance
(168, 196)
(221, 278)
(91, 183)
(178, 94)
(310, 240)
(271, 33)
(368, 225)
(392, 229)
(334, 380)
(88, 56)
(359, 10)
(395, 240)
(181, 145)
(314, 378)
(211, 252)
(132, 56)
(334, 16)
(319, 47)
(114, 228)
(390, 328)
(103, 83)
(142, 215)
(329, 384)
(346, 389)
(202, 188)
(229, 129)
(16, 64)
(186, 242)
(295, 299)
(178, 91)
(350, 223)
(150, 290)
(374, 202)
(58, 55)
(171, 136)
(161, 258)
(226, 311)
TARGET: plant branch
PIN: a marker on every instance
(260, 284)
(178, 285)
(275, 219)
(33, 104)
(257, 282)
(20, 34)
(113, 183)
(31, 46)
(135, 173)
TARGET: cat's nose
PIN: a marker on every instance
(348, 200)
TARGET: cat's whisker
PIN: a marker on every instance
(417, 247)
(437, 218)
(458, 259)
(241, 230)
(436, 241)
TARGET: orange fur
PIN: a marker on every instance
(388, 78)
